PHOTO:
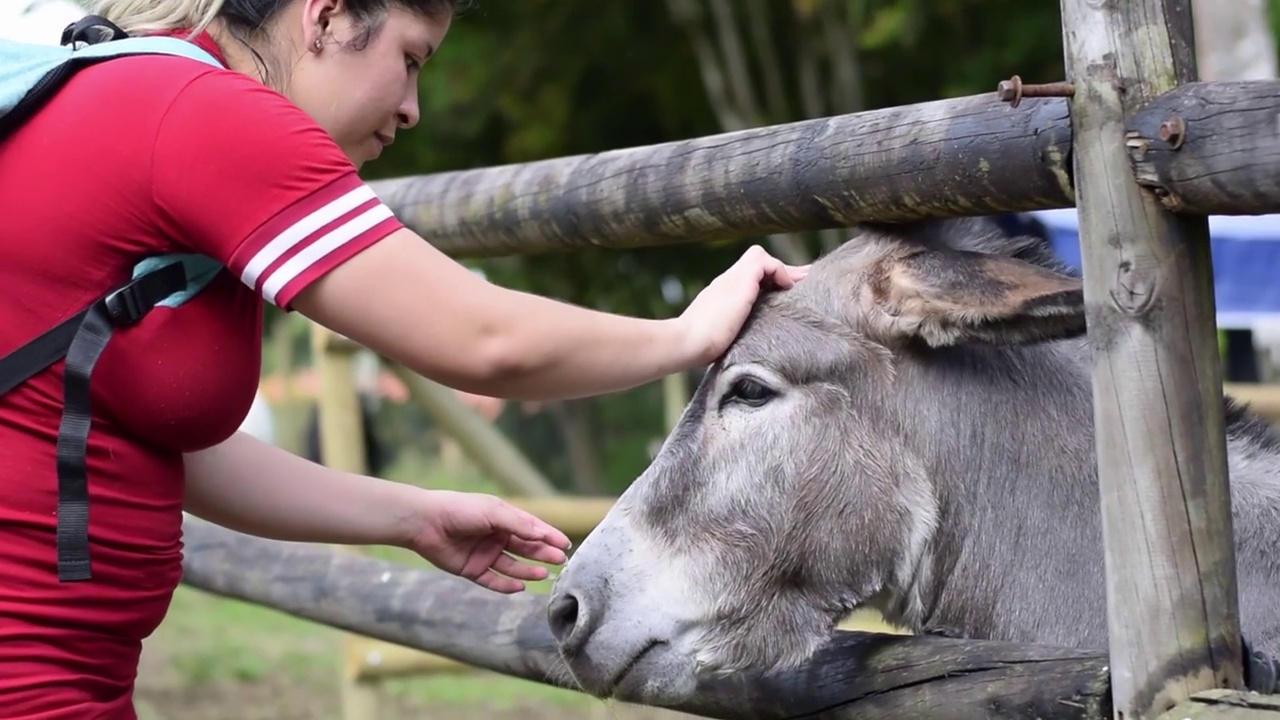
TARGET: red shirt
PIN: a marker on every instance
(135, 157)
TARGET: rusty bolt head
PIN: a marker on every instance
(1173, 131)
(1013, 90)
(1010, 90)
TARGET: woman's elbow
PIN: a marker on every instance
(500, 364)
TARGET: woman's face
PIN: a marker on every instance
(361, 87)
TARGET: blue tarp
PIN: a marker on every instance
(1246, 262)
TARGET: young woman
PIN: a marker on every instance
(256, 165)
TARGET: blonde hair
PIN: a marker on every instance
(142, 17)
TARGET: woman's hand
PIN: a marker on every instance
(714, 318)
(480, 537)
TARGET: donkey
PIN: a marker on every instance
(909, 428)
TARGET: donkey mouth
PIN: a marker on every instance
(618, 683)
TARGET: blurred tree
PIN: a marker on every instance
(521, 81)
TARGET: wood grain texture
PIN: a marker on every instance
(963, 156)
(860, 675)
(1171, 583)
(1225, 161)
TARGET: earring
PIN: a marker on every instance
(318, 44)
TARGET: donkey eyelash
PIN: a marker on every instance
(748, 390)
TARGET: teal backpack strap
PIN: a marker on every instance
(31, 73)
(197, 269)
(29, 76)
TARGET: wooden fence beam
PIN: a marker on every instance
(962, 156)
(1263, 398)
(860, 675)
(574, 515)
(1157, 384)
(342, 447)
(1210, 147)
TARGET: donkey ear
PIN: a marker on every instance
(956, 296)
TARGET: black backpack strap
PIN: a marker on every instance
(21, 364)
(89, 30)
(81, 339)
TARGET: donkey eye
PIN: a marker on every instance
(749, 391)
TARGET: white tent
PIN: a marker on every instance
(37, 21)
(1246, 257)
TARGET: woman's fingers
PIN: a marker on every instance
(513, 568)
(527, 526)
(508, 575)
(769, 268)
(535, 550)
(493, 581)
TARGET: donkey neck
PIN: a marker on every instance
(1007, 445)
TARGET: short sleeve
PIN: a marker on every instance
(244, 176)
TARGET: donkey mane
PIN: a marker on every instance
(983, 235)
(976, 234)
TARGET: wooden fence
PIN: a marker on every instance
(1131, 140)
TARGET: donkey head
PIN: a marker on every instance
(794, 488)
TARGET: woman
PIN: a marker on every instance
(256, 166)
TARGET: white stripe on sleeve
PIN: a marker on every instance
(301, 230)
(322, 246)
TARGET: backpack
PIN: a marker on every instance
(30, 75)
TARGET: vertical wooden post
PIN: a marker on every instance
(342, 447)
(675, 396)
(1157, 383)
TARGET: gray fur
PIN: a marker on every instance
(928, 452)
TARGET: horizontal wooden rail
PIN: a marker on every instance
(1263, 398)
(1211, 147)
(971, 155)
(961, 156)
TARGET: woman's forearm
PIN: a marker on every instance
(409, 302)
(555, 350)
(253, 487)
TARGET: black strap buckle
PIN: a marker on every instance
(125, 306)
(91, 30)
(129, 303)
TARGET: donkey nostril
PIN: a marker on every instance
(562, 614)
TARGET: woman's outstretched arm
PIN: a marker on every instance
(256, 488)
(414, 304)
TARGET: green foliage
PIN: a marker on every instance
(1273, 13)
(522, 81)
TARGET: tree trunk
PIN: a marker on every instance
(491, 451)
(574, 418)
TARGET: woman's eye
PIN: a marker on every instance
(750, 391)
